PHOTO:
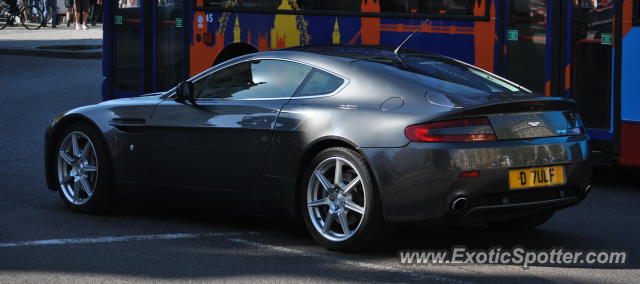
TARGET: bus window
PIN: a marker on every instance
(464, 7)
(461, 7)
(526, 60)
(592, 41)
(128, 47)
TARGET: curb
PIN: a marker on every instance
(50, 53)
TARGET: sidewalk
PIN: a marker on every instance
(60, 42)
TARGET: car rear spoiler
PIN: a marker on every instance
(538, 104)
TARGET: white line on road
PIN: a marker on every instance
(112, 239)
(334, 259)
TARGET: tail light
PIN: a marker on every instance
(575, 124)
(575, 131)
(460, 130)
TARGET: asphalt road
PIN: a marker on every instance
(162, 241)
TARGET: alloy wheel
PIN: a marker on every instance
(336, 199)
(77, 167)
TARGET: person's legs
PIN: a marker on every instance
(85, 13)
(51, 4)
(77, 4)
(92, 12)
(44, 5)
(81, 7)
(69, 5)
(99, 16)
(69, 16)
(82, 14)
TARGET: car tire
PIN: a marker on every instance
(529, 222)
(84, 174)
(354, 201)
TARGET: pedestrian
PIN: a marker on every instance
(94, 11)
(51, 5)
(69, 5)
(82, 13)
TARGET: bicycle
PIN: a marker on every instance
(30, 16)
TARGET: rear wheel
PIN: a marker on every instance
(83, 170)
(32, 17)
(339, 204)
(529, 222)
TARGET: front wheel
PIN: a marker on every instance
(339, 204)
(32, 17)
(83, 170)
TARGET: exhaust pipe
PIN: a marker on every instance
(459, 204)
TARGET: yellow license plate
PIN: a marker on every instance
(536, 177)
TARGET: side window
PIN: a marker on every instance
(319, 83)
(253, 80)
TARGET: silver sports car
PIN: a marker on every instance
(351, 139)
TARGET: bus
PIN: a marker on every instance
(582, 49)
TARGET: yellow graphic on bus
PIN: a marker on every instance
(336, 33)
(285, 32)
(236, 30)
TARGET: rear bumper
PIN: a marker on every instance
(484, 213)
(419, 181)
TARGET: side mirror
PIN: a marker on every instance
(184, 91)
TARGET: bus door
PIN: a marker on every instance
(169, 44)
(529, 44)
(126, 53)
(592, 38)
(148, 46)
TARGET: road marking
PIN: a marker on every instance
(112, 239)
(335, 259)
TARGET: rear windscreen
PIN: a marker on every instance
(454, 76)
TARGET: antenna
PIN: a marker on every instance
(409, 37)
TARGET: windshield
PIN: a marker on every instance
(461, 75)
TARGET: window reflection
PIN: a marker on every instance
(253, 80)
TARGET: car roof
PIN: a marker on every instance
(328, 55)
(355, 51)
(340, 58)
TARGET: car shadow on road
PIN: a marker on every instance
(211, 258)
(406, 237)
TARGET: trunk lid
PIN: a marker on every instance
(526, 117)
(531, 125)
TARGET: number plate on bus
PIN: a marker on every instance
(536, 177)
